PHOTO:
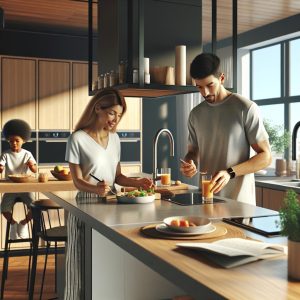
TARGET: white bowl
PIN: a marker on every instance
(135, 200)
(201, 224)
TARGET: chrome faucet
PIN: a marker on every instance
(294, 149)
(155, 140)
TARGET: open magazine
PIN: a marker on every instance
(234, 252)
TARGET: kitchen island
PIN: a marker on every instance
(122, 263)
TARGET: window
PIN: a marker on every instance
(277, 95)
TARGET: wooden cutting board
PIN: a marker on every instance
(172, 187)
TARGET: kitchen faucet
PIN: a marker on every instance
(294, 149)
(155, 140)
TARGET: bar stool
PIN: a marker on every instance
(44, 229)
(9, 241)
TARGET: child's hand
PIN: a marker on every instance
(30, 163)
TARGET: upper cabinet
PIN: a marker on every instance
(80, 95)
(54, 85)
(18, 93)
(131, 120)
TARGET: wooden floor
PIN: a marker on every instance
(15, 286)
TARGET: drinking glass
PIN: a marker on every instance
(165, 176)
(206, 185)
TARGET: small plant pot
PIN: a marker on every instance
(293, 260)
(280, 169)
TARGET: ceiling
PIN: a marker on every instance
(70, 16)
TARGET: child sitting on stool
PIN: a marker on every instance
(17, 160)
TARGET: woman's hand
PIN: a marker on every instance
(188, 168)
(103, 188)
(144, 183)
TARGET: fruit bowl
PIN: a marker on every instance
(188, 224)
(61, 176)
(19, 178)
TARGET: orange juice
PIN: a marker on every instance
(165, 179)
(206, 187)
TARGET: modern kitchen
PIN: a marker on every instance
(55, 56)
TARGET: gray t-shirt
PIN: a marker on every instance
(102, 162)
(223, 132)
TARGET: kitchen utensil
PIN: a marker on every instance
(99, 180)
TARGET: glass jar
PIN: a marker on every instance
(43, 177)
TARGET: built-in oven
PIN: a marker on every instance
(30, 145)
(130, 146)
(52, 147)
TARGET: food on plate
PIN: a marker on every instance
(62, 170)
(182, 223)
(177, 182)
(138, 193)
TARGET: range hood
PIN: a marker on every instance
(129, 30)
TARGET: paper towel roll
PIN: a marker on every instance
(146, 65)
(180, 65)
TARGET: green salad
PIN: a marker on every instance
(140, 193)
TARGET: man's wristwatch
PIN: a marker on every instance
(231, 173)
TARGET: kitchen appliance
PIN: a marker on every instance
(30, 145)
(52, 147)
(130, 146)
(266, 225)
(189, 199)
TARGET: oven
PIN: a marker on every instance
(130, 146)
(52, 147)
(30, 145)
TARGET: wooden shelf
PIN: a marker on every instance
(153, 90)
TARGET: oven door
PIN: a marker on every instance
(130, 147)
(52, 147)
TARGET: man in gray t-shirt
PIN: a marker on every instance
(222, 131)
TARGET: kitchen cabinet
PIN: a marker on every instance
(18, 90)
(269, 198)
(80, 97)
(131, 120)
(130, 169)
(54, 96)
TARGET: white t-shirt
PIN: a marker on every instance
(102, 162)
(223, 132)
(16, 162)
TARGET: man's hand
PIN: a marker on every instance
(188, 168)
(219, 181)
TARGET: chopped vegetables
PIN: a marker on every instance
(140, 193)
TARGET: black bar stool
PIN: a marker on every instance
(44, 229)
(9, 241)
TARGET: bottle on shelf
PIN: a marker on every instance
(112, 78)
(122, 72)
(106, 80)
(100, 81)
(135, 76)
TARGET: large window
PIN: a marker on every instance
(275, 84)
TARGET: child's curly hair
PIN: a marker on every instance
(16, 127)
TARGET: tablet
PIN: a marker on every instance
(266, 225)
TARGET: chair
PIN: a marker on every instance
(8, 242)
(43, 212)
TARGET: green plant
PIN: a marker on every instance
(290, 216)
(279, 138)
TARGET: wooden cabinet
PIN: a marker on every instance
(269, 198)
(18, 92)
(130, 169)
(80, 97)
(132, 118)
(54, 85)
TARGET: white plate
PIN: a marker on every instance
(135, 200)
(163, 228)
(200, 222)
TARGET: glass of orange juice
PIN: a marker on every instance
(206, 185)
(165, 176)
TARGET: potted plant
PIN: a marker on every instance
(290, 227)
(279, 139)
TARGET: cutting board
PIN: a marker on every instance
(172, 187)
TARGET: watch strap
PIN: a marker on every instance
(231, 173)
